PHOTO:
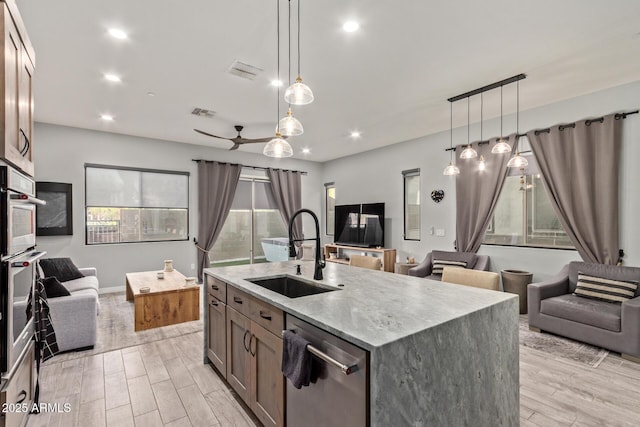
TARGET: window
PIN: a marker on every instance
(254, 216)
(411, 180)
(330, 207)
(524, 215)
(124, 205)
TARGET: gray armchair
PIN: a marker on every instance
(474, 261)
(553, 307)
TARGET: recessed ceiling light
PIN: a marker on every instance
(112, 78)
(306, 150)
(107, 117)
(151, 94)
(276, 83)
(117, 33)
(355, 134)
(350, 26)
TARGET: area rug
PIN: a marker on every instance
(560, 347)
(115, 328)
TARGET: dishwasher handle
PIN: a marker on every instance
(346, 369)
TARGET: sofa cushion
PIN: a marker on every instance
(602, 270)
(469, 257)
(86, 282)
(62, 268)
(439, 265)
(603, 289)
(53, 288)
(583, 310)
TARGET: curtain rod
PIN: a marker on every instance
(618, 116)
(245, 166)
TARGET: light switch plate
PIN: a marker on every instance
(440, 232)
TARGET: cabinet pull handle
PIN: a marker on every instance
(214, 303)
(27, 144)
(265, 315)
(237, 300)
(214, 287)
(253, 353)
(23, 396)
(244, 341)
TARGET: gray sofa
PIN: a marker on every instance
(474, 261)
(554, 308)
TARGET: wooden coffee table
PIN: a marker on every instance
(168, 302)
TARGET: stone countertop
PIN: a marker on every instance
(373, 309)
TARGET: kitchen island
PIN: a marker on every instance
(439, 354)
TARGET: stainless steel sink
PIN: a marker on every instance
(290, 287)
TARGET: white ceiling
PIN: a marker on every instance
(389, 80)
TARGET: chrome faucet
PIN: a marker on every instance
(319, 262)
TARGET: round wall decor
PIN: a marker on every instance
(437, 195)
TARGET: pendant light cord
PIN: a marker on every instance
(468, 121)
(481, 116)
(298, 37)
(278, 66)
(451, 132)
(501, 134)
(289, 35)
(517, 116)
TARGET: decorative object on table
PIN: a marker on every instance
(437, 195)
(515, 282)
(168, 265)
(189, 281)
(160, 275)
(411, 260)
(54, 218)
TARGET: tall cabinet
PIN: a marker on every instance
(16, 86)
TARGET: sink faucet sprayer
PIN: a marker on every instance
(319, 263)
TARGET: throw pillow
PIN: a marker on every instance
(601, 288)
(54, 288)
(439, 264)
(62, 268)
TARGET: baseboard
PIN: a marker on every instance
(111, 290)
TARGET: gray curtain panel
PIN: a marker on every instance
(217, 183)
(477, 193)
(287, 191)
(580, 168)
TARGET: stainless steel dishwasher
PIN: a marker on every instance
(340, 395)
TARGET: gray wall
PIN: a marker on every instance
(60, 155)
(375, 176)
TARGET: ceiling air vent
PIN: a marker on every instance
(203, 113)
(243, 70)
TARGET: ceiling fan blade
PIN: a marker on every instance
(235, 146)
(252, 140)
(209, 134)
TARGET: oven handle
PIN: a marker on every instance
(346, 369)
(34, 256)
(19, 197)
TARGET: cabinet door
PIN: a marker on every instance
(12, 51)
(238, 356)
(217, 336)
(25, 111)
(267, 387)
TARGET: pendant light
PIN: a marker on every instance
(289, 125)
(451, 169)
(518, 161)
(482, 165)
(278, 147)
(501, 146)
(298, 93)
(468, 152)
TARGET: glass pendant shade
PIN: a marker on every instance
(482, 165)
(290, 126)
(468, 153)
(298, 93)
(501, 147)
(518, 161)
(278, 147)
(451, 170)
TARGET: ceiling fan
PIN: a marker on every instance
(238, 140)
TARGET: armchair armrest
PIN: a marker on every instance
(556, 286)
(631, 316)
(424, 269)
(89, 271)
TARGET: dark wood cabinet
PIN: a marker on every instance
(217, 334)
(267, 382)
(238, 355)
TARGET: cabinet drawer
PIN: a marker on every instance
(239, 300)
(18, 392)
(267, 316)
(216, 287)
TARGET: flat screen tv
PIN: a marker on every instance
(360, 225)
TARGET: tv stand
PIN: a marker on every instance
(341, 255)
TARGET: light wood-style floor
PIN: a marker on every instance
(165, 383)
